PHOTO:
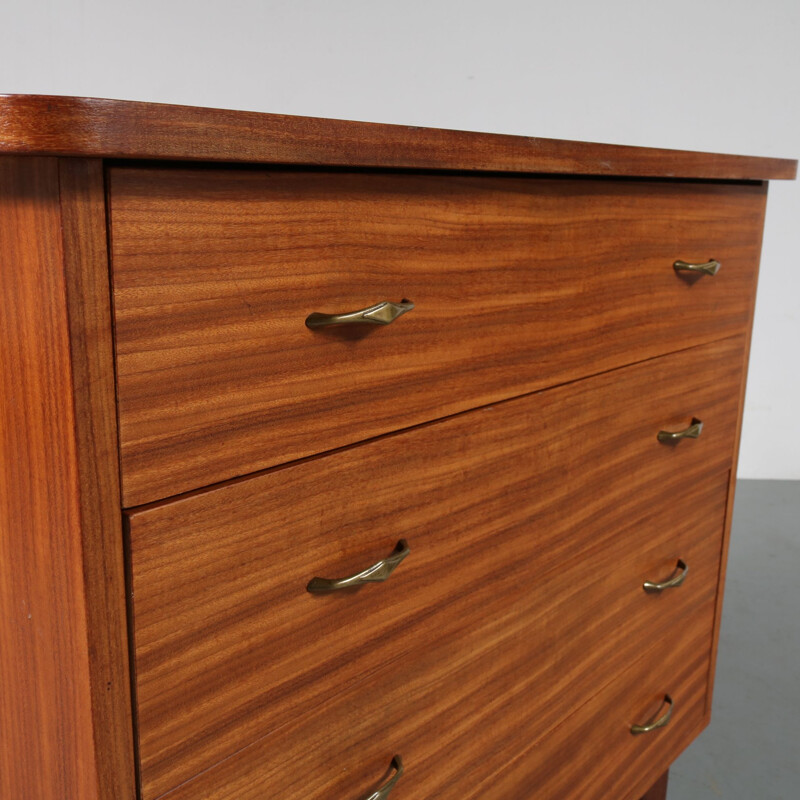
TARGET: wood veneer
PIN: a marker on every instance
(83, 214)
(234, 647)
(594, 756)
(498, 696)
(63, 642)
(729, 509)
(88, 126)
(519, 284)
(466, 728)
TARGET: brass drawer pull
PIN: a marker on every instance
(379, 314)
(661, 722)
(385, 790)
(708, 268)
(375, 574)
(692, 432)
(678, 577)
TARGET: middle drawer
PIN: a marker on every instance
(230, 646)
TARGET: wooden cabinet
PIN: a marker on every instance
(514, 495)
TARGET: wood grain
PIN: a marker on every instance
(86, 270)
(465, 722)
(519, 284)
(64, 691)
(532, 522)
(46, 721)
(532, 526)
(81, 126)
(732, 491)
(593, 756)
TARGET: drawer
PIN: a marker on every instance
(518, 284)
(532, 525)
(458, 697)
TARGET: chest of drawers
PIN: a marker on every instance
(348, 461)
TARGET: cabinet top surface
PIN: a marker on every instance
(91, 127)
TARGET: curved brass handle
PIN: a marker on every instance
(377, 573)
(379, 314)
(661, 722)
(678, 577)
(708, 268)
(692, 432)
(383, 792)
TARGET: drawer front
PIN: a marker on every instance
(532, 525)
(460, 701)
(518, 284)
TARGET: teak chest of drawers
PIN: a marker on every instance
(346, 461)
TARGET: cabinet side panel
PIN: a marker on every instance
(734, 464)
(45, 710)
(83, 219)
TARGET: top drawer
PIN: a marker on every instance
(518, 284)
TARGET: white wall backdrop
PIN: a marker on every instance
(720, 75)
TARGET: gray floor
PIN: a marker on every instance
(751, 750)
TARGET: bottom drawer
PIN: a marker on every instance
(468, 726)
(593, 755)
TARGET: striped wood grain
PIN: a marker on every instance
(519, 284)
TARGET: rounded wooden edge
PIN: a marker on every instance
(82, 126)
